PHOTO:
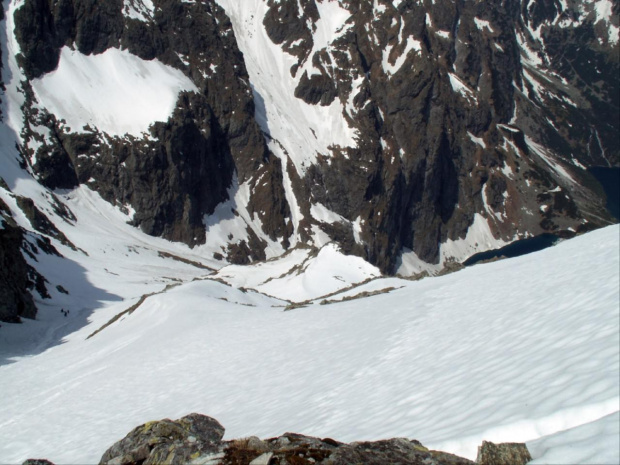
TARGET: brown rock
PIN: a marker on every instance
(509, 453)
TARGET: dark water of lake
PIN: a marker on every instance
(515, 249)
(610, 180)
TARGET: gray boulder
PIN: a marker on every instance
(190, 438)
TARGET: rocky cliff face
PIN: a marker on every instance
(18, 278)
(461, 108)
(412, 133)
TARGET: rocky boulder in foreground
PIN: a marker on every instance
(197, 439)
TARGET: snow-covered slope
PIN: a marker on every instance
(596, 442)
(301, 275)
(509, 351)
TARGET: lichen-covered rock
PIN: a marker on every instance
(397, 450)
(503, 454)
(197, 439)
(297, 449)
(166, 441)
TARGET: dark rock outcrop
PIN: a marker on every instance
(198, 439)
(288, 28)
(43, 27)
(37, 462)
(15, 299)
(316, 89)
(40, 221)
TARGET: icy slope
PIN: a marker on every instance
(509, 351)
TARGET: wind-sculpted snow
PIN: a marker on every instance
(509, 351)
(115, 92)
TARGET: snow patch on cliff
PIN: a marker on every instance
(116, 92)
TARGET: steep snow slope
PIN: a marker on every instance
(596, 443)
(508, 351)
(306, 131)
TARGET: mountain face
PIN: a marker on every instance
(411, 133)
(459, 109)
(181, 170)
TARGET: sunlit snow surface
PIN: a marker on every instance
(509, 351)
(115, 91)
(300, 276)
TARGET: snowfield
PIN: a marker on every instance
(115, 91)
(525, 349)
